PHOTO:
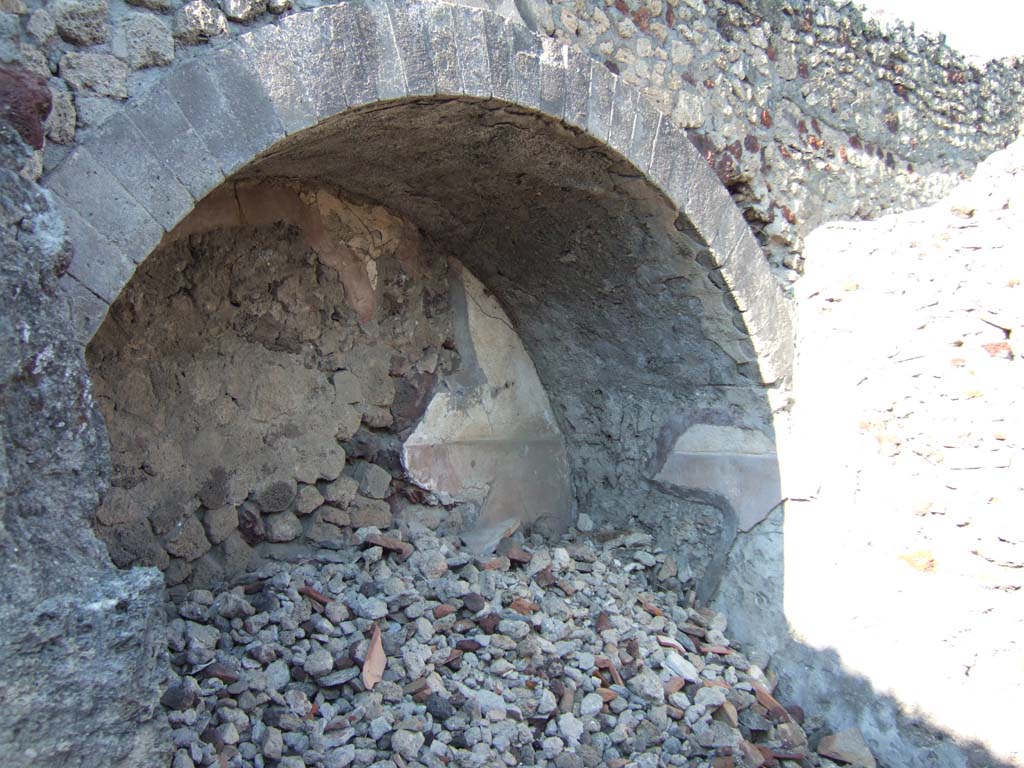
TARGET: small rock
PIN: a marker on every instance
(308, 500)
(571, 728)
(278, 675)
(243, 10)
(283, 527)
(374, 480)
(273, 744)
(82, 22)
(95, 73)
(366, 512)
(232, 605)
(648, 685)
(143, 41)
(848, 747)
(681, 667)
(198, 22)
(318, 663)
(188, 539)
(220, 522)
(276, 496)
(546, 702)
(591, 705)
(584, 523)
(407, 743)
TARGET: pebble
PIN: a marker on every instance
(491, 665)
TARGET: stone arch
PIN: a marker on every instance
(361, 70)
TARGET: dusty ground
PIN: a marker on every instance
(906, 471)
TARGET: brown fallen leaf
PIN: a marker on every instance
(376, 661)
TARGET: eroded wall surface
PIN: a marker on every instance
(76, 630)
(292, 365)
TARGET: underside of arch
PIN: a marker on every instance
(636, 287)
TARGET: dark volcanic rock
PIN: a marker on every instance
(82, 642)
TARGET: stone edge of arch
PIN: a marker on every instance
(145, 168)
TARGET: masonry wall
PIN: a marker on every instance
(806, 111)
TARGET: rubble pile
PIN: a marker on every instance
(404, 648)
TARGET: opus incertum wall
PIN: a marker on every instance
(637, 288)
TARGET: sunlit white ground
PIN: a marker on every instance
(906, 552)
(981, 30)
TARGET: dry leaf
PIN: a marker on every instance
(373, 666)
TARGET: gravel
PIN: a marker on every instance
(566, 659)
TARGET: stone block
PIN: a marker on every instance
(440, 26)
(96, 264)
(119, 508)
(87, 309)
(620, 135)
(601, 102)
(188, 540)
(341, 492)
(143, 41)
(471, 45)
(369, 512)
(552, 79)
(499, 57)
(374, 480)
(122, 150)
(577, 88)
(175, 142)
(82, 22)
(308, 36)
(282, 527)
(96, 74)
(220, 523)
(353, 58)
(384, 61)
(670, 151)
(308, 500)
(526, 79)
(732, 463)
(646, 120)
(225, 103)
(276, 496)
(237, 554)
(412, 36)
(89, 188)
(280, 77)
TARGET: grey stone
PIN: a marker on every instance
(591, 705)
(199, 21)
(365, 512)
(188, 540)
(374, 481)
(220, 522)
(236, 122)
(173, 140)
(143, 41)
(96, 263)
(278, 675)
(647, 685)
(407, 743)
(280, 77)
(95, 73)
(114, 213)
(122, 150)
(308, 500)
(282, 527)
(318, 663)
(60, 125)
(243, 10)
(41, 25)
(56, 580)
(83, 22)
(570, 727)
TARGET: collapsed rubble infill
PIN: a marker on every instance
(403, 649)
